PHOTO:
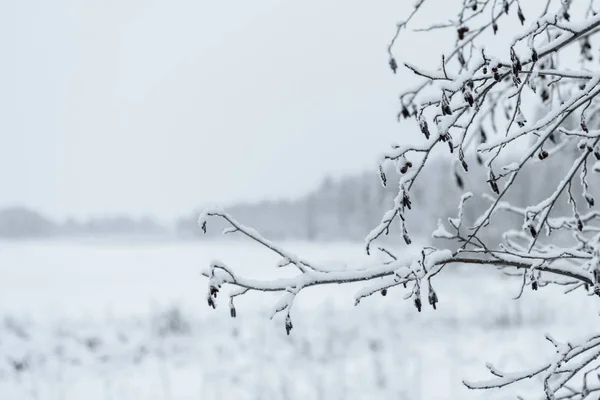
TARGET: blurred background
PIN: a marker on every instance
(121, 120)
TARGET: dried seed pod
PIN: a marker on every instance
(459, 181)
(393, 64)
(424, 128)
(468, 97)
(405, 236)
(433, 299)
(532, 231)
(406, 200)
(534, 55)
(534, 285)
(450, 145)
(495, 27)
(543, 155)
(382, 176)
(579, 225)
(589, 200)
(288, 324)
(384, 292)
(483, 135)
(516, 63)
(232, 312)
(461, 32)
(445, 104)
(405, 113)
(494, 186)
(461, 58)
(520, 118)
(520, 15)
(465, 165)
(418, 304)
(583, 124)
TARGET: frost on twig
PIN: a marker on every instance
(478, 104)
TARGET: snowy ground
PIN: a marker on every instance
(92, 320)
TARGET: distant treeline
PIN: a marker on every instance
(348, 208)
(341, 209)
(23, 223)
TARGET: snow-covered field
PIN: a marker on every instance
(91, 320)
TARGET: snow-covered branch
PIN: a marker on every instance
(478, 104)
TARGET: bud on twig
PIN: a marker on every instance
(384, 292)
(495, 27)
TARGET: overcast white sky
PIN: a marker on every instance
(148, 106)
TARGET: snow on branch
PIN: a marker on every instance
(479, 105)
